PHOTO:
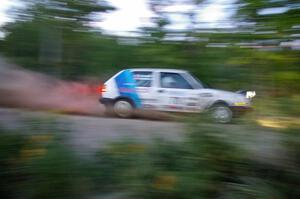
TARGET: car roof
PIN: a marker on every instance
(159, 70)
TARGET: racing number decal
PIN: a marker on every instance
(176, 101)
(184, 103)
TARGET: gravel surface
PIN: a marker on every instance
(87, 134)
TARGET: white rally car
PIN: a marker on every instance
(170, 90)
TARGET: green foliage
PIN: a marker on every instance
(55, 175)
(280, 22)
(11, 172)
(55, 36)
(205, 165)
(36, 164)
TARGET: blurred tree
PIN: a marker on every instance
(161, 20)
(51, 37)
(57, 37)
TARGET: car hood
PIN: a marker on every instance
(222, 94)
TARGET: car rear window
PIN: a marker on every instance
(143, 78)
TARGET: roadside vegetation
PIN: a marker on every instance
(55, 37)
(209, 162)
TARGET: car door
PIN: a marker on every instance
(144, 81)
(175, 93)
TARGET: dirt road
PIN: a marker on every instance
(87, 134)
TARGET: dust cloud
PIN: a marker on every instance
(26, 89)
(21, 88)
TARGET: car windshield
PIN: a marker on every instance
(196, 83)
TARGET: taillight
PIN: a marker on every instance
(103, 88)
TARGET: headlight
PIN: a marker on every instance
(250, 94)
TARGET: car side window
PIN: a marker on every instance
(173, 80)
(143, 78)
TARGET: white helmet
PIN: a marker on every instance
(168, 82)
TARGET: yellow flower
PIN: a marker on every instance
(40, 138)
(280, 122)
(136, 148)
(165, 182)
(32, 153)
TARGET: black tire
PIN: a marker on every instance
(221, 113)
(123, 108)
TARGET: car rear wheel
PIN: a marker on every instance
(123, 108)
(221, 114)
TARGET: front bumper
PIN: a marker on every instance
(240, 110)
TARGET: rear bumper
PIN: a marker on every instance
(106, 101)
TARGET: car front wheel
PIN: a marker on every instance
(221, 114)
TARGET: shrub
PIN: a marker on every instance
(205, 165)
(38, 165)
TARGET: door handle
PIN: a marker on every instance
(160, 90)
